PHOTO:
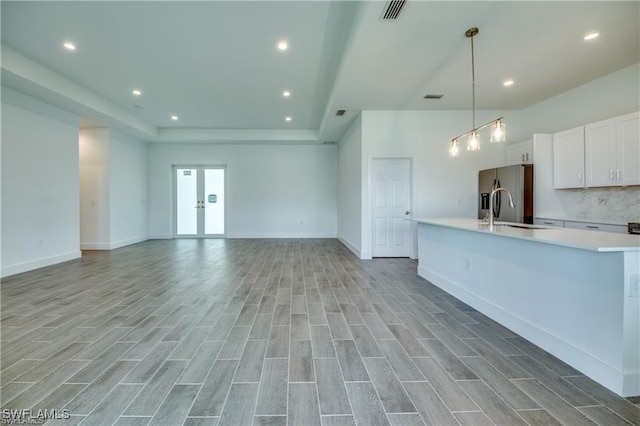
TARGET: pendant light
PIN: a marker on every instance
(497, 125)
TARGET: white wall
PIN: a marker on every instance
(270, 190)
(615, 94)
(113, 189)
(40, 209)
(128, 190)
(442, 186)
(94, 188)
(350, 187)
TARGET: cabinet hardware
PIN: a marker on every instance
(527, 156)
(522, 157)
(619, 175)
(548, 223)
(579, 176)
(612, 177)
(592, 227)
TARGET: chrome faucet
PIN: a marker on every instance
(491, 204)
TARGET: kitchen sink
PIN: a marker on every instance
(524, 226)
(515, 225)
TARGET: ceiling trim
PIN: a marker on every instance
(27, 76)
(24, 75)
(301, 136)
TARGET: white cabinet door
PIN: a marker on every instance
(568, 158)
(600, 154)
(520, 153)
(628, 149)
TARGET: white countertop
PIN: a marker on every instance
(577, 238)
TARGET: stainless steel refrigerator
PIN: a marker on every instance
(518, 180)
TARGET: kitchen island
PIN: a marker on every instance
(571, 292)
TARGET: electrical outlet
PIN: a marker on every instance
(594, 201)
(634, 285)
(468, 263)
(301, 222)
(38, 243)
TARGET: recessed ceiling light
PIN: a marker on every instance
(287, 119)
(69, 45)
(592, 36)
(286, 93)
(282, 45)
(136, 92)
(174, 117)
(508, 83)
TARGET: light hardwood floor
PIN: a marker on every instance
(297, 332)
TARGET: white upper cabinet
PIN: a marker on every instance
(606, 153)
(568, 158)
(628, 148)
(600, 153)
(612, 151)
(520, 153)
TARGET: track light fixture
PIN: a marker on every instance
(497, 125)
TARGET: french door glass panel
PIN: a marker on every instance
(187, 201)
(214, 201)
(200, 201)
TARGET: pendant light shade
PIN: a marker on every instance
(473, 144)
(454, 150)
(497, 131)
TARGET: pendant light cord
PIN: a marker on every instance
(473, 84)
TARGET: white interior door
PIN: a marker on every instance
(391, 206)
(199, 202)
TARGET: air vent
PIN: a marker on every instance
(341, 112)
(392, 10)
(432, 96)
(329, 143)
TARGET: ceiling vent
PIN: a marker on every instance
(432, 96)
(392, 10)
(340, 112)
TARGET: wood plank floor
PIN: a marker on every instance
(273, 332)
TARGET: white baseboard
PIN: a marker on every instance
(38, 263)
(161, 237)
(112, 245)
(95, 246)
(280, 235)
(128, 242)
(350, 246)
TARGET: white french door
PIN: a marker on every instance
(391, 206)
(199, 202)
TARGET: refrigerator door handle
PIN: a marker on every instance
(498, 201)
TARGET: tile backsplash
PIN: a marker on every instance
(614, 204)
